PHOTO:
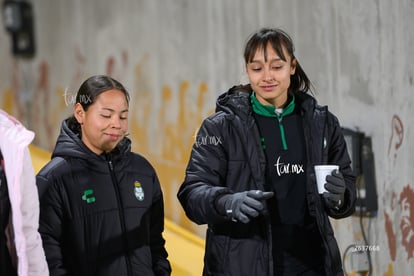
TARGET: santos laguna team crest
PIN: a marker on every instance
(138, 191)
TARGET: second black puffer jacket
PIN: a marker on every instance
(227, 158)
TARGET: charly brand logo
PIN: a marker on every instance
(202, 140)
(70, 99)
(88, 196)
(139, 191)
(283, 168)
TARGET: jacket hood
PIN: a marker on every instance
(236, 101)
(69, 144)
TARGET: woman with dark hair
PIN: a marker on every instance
(256, 188)
(101, 205)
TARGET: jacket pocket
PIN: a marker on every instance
(247, 257)
(215, 254)
(235, 256)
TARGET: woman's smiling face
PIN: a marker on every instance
(105, 122)
(269, 76)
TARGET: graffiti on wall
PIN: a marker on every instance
(396, 139)
(398, 202)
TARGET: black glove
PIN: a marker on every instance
(335, 185)
(243, 205)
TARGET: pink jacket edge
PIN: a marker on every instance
(14, 141)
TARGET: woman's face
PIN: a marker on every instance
(270, 79)
(105, 123)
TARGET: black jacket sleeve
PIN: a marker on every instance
(160, 263)
(338, 154)
(205, 174)
(51, 225)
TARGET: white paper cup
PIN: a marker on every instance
(321, 171)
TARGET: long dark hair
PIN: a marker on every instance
(279, 39)
(89, 91)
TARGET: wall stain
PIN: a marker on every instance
(397, 136)
(167, 144)
(390, 271)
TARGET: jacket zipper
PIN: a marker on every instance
(121, 213)
(267, 224)
(282, 131)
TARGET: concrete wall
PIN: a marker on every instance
(177, 56)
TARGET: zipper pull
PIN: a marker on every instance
(109, 159)
(279, 114)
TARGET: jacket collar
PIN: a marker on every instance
(69, 144)
(237, 102)
(270, 110)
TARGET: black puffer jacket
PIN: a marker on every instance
(227, 157)
(101, 215)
